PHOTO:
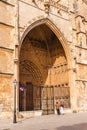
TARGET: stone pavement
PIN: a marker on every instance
(69, 121)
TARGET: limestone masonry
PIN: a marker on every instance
(43, 45)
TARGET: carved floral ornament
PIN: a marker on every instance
(53, 3)
(47, 4)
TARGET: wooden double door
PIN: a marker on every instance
(43, 98)
(30, 98)
(47, 100)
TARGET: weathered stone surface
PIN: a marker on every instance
(6, 32)
(8, 14)
(24, 40)
(6, 95)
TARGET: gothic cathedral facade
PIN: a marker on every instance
(43, 46)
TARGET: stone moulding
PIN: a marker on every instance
(84, 80)
(57, 5)
(54, 4)
(6, 73)
(5, 48)
(5, 1)
(6, 24)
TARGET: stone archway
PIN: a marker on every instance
(43, 45)
(56, 31)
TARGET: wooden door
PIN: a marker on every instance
(47, 100)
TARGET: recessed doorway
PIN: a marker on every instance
(43, 72)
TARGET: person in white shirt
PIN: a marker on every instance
(62, 109)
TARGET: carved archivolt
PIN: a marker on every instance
(26, 66)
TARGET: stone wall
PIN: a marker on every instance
(17, 18)
(7, 35)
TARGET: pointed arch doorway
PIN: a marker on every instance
(43, 71)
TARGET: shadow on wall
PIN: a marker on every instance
(73, 127)
(82, 126)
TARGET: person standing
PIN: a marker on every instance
(62, 109)
(57, 108)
